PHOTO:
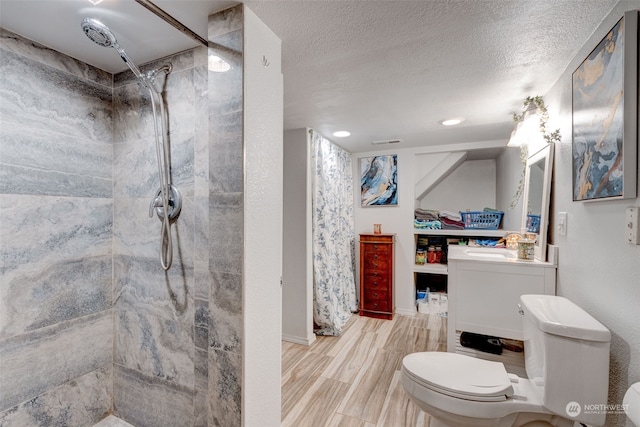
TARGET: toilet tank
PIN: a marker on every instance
(567, 357)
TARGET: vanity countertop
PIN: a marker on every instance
(492, 255)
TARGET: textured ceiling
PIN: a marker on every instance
(380, 69)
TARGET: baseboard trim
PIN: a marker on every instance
(299, 340)
(406, 312)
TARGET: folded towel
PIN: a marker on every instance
(427, 225)
(425, 214)
(449, 224)
(455, 216)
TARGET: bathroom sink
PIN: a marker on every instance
(486, 255)
(491, 253)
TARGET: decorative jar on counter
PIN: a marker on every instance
(526, 250)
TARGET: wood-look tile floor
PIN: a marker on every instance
(354, 380)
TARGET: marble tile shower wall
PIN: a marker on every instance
(89, 321)
(154, 353)
(226, 222)
(177, 357)
(56, 328)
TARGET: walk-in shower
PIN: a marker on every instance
(167, 202)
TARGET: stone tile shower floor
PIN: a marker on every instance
(113, 421)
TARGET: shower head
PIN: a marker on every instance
(98, 32)
(102, 35)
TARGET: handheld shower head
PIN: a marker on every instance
(102, 35)
(98, 32)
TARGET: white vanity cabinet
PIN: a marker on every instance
(485, 287)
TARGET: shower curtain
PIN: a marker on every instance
(334, 290)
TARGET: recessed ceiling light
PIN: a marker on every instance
(451, 122)
(342, 133)
(217, 64)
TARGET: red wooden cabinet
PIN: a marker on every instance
(376, 275)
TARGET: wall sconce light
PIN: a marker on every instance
(527, 127)
(531, 126)
(530, 134)
(516, 139)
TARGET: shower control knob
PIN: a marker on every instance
(175, 204)
(155, 203)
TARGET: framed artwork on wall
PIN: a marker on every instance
(605, 116)
(379, 181)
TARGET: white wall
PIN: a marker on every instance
(263, 123)
(412, 166)
(472, 186)
(597, 269)
(394, 219)
(297, 267)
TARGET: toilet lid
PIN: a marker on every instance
(459, 376)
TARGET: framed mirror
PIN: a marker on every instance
(537, 193)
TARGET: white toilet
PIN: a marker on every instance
(567, 364)
(631, 404)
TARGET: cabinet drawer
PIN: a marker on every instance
(371, 295)
(379, 256)
(370, 262)
(376, 248)
(375, 279)
(375, 305)
(377, 238)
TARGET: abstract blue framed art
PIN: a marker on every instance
(605, 116)
(379, 180)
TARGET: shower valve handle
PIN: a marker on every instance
(175, 204)
(155, 203)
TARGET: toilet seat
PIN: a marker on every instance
(468, 391)
(459, 376)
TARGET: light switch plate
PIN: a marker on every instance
(632, 225)
(562, 223)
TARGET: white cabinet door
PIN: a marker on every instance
(484, 296)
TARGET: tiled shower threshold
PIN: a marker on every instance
(113, 421)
